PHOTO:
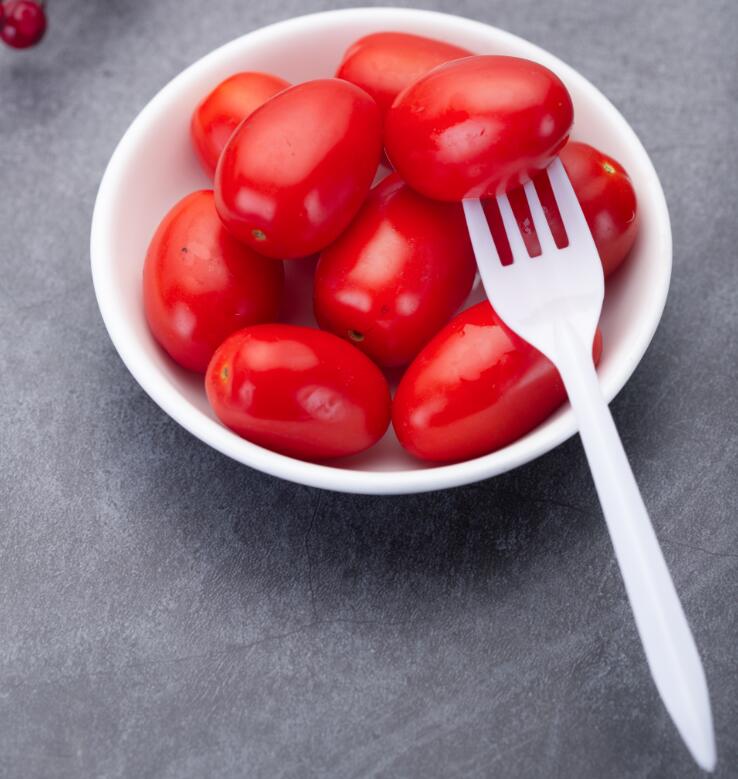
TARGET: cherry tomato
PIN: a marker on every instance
(200, 284)
(605, 193)
(22, 23)
(397, 274)
(608, 201)
(384, 63)
(298, 391)
(296, 171)
(475, 388)
(218, 115)
(477, 127)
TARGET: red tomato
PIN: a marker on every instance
(218, 115)
(477, 127)
(200, 284)
(384, 63)
(605, 193)
(298, 391)
(397, 274)
(608, 200)
(475, 388)
(296, 171)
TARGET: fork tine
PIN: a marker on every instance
(488, 258)
(514, 237)
(566, 199)
(543, 231)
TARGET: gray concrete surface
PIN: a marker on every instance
(165, 612)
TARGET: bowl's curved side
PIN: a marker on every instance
(639, 290)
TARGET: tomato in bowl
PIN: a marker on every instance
(154, 167)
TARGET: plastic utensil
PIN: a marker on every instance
(553, 301)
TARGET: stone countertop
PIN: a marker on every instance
(165, 612)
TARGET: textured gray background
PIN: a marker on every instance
(165, 612)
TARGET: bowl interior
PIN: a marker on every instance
(154, 166)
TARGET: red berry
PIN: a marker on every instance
(24, 24)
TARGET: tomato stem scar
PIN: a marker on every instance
(259, 235)
(355, 335)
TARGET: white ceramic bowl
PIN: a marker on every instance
(154, 166)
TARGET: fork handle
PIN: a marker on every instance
(667, 640)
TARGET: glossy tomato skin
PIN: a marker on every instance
(200, 284)
(218, 115)
(396, 275)
(384, 63)
(608, 200)
(475, 388)
(477, 127)
(296, 171)
(298, 391)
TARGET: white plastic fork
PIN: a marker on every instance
(553, 301)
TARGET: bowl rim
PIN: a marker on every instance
(331, 477)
